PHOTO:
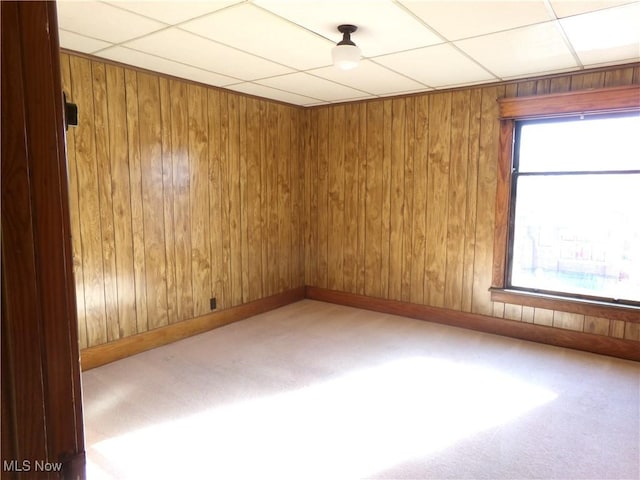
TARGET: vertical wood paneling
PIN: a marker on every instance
(387, 134)
(72, 170)
(89, 203)
(322, 188)
(199, 199)
(264, 199)
(616, 328)
(121, 191)
(437, 198)
(336, 194)
(407, 211)
(215, 197)
(297, 205)
(350, 189)
(101, 126)
(513, 312)
(396, 198)
(235, 233)
(487, 172)
(283, 247)
(254, 227)
(426, 179)
(152, 199)
(584, 81)
(542, 316)
(560, 85)
(178, 193)
(273, 273)
(181, 198)
(361, 155)
(632, 331)
(373, 221)
(310, 139)
(527, 314)
(456, 215)
(619, 77)
(244, 201)
(421, 179)
(168, 201)
(597, 325)
(471, 190)
(225, 203)
(571, 321)
(137, 218)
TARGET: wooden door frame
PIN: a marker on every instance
(41, 393)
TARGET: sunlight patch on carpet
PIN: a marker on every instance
(352, 426)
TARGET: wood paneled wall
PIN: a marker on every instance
(400, 194)
(178, 193)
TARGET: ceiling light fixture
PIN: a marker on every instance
(346, 55)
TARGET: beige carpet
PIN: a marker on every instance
(319, 391)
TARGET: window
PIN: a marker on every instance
(575, 207)
(568, 203)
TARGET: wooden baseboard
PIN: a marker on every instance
(102, 354)
(588, 342)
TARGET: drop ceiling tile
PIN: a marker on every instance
(272, 93)
(437, 66)
(180, 46)
(104, 22)
(383, 26)
(617, 39)
(162, 65)
(173, 12)
(369, 77)
(268, 41)
(462, 19)
(535, 49)
(252, 29)
(565, 8)
(80, 43)
(314, 87)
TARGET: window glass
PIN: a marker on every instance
(575, 227)
(592, 143)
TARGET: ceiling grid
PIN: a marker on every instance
(281, 49)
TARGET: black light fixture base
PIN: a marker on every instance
(346, 31)
(347, 28)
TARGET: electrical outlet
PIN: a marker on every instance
(212, 303)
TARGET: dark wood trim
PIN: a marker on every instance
(39, 324)
(617, 99)
(503, 203)
(20, 316)
(565, 304)
(614, 347)
(102, 354)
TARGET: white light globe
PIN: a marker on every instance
(346, 57)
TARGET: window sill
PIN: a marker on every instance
(612, 311)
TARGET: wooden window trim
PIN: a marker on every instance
(605, 100)
(600, 100)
